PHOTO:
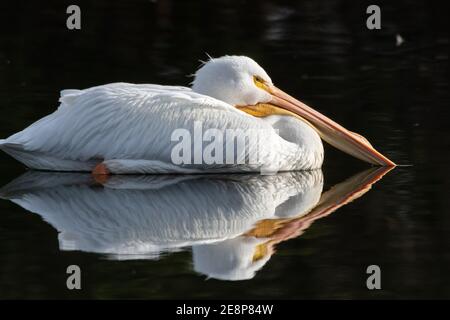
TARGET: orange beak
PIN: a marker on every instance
(330, 131)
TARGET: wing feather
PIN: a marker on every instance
(127, 121)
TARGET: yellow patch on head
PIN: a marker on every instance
(260, 83)
(262, 110)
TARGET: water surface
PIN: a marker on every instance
(397, 96)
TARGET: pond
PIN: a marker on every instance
(289, 235)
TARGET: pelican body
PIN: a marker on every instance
(124, 128)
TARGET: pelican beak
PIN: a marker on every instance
(330, 131)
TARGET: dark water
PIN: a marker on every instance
(321, 52)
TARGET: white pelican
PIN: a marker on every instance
(127, 128)
(232, 222)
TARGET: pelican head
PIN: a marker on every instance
(242, 83)
(231, 79)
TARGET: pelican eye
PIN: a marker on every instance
(259, 82)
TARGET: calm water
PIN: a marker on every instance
(184, 237)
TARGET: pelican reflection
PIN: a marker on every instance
(232, 222)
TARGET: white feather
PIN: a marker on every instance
(129, 126)
(124, 121)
